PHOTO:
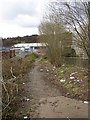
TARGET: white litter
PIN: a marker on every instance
(62, 80)
(47, 70)
(86, 102)
(23, 83)
(27, 99)
(25, 117)
(72, 78)
(41, 70)
(63, 65)
(78, 80)
(73, 74)
(54, 67)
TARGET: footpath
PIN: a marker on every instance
(46, 101)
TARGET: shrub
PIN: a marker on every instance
(13, 71)
(68, 52)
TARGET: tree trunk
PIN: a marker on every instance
(89, 29)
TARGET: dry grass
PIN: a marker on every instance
(78, 87)
(14, 71)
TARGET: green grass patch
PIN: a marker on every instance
(44, 61)
(68, 85)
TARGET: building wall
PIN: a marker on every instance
(7, 53)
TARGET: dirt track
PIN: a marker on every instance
(47, 102)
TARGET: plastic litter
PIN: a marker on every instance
(78, 80)
(72, 78)
(73, 74)
(47, 70)
(63, 65)
(25, 117)
(41, 70)
(86, 102)
(54, 68)
(27, 99)
(62, 80)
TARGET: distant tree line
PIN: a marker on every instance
(8, 42)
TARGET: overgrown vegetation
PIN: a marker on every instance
(56, 38)
(76, 81)
(63, 23)
(76, 18)
(72, 80)
(68, 52)
(14, 71)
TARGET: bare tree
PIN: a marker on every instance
(89, 27)
(78, 19)
(51, 32)
(75, 16)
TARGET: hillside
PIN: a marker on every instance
(8, 42)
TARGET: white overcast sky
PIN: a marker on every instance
(20, 17)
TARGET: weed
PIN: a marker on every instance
(44, 61)
(88, 83)
(69, 86)
(11, 85)
(75, 91)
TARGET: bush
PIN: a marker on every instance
(68, 52)
(54, 53)
(19, 66)
(12, 78)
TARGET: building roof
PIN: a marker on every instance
(29, 45)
